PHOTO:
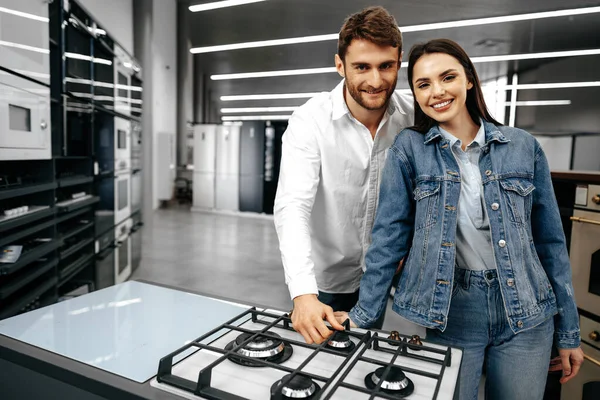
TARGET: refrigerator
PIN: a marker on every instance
(252, 164)
(227, 179)
(204, 162)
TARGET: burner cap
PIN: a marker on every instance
(260, 346)
(299, 387)
(341, 341)
(396, 381)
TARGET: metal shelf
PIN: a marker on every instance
(78, 204)
(75, 248)
(66, 182)
(32, 215)
(68, 216)
(74, 268)
(14, 307)
(30, 256)
(23, 278)
(76, 230)
(25, 232)
(24, 190)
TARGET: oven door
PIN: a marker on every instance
(585, 385)
(123, 252)
(122, 139)
(122, 196)
(24, 120)
(136, 191)
(123, 72)
(585, 260)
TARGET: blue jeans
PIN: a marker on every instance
(345, 302)
(516, 364)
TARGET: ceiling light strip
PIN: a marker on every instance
(255, 117)
(269, 96)
(404, 29)
(24, 47)
(541, 103)
(220, 4)
(257, 109)
(24, 14)
(475, 60)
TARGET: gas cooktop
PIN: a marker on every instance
(258, 355)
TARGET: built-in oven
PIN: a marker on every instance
(105, 260)
(123, 71)
(122, 199)
(122, 266)
(586, 385)
(25, 132)
(122, 139)
(585, 248)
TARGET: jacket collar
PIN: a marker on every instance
(492, 134)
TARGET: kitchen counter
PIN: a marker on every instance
(30, 370)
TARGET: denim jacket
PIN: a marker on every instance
(417, 211)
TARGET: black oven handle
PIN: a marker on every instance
(585, 220)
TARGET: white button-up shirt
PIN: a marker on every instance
(328, 191)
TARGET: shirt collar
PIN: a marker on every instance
(340, 108)
(479, 137)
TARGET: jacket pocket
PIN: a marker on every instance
(518, 196)
(426, 195)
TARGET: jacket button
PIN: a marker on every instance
(488, 172)
(495, 206)
(502, 243)
(519, 324)
(510, 282)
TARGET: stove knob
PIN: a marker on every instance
(596, 199)
(595, 336)
(394, 335)
(416, 340)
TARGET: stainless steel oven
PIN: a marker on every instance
(123, 251)
(122, 193)
(587, 382)
(122, 140)
(123, 72)
(585, 248)
(25, 132)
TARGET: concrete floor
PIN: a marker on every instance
(225, 255)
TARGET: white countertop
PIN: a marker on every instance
(124, 329)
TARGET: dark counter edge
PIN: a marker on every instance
(85, 377)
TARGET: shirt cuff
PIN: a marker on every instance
(567, 340)
(303, 285)
(359, 317)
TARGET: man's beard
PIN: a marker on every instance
(357, 96)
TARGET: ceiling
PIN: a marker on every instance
(280, 19)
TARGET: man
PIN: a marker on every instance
(333, 154)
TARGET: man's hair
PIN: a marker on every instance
(374, 24)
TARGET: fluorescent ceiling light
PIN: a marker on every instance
(268, 74)
(77, 56)
(558, 85)
(404, 29)
(541, 103)
(255, 117)
(220, 4)
(269, 96)
(475, 60)
(257, 109)
(24, 14)
(24, 47)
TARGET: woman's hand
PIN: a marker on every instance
(342, 316)
(571, 362)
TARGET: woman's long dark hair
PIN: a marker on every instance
(475, 102)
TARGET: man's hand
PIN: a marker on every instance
(342, 316)
(571, 362)
(308, 316)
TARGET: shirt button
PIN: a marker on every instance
(519, 324)
(510, 282)
(488, 172)
(502, 243)
(495, 206)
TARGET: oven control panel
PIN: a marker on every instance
(588, 197)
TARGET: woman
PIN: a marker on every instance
(488, 266)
